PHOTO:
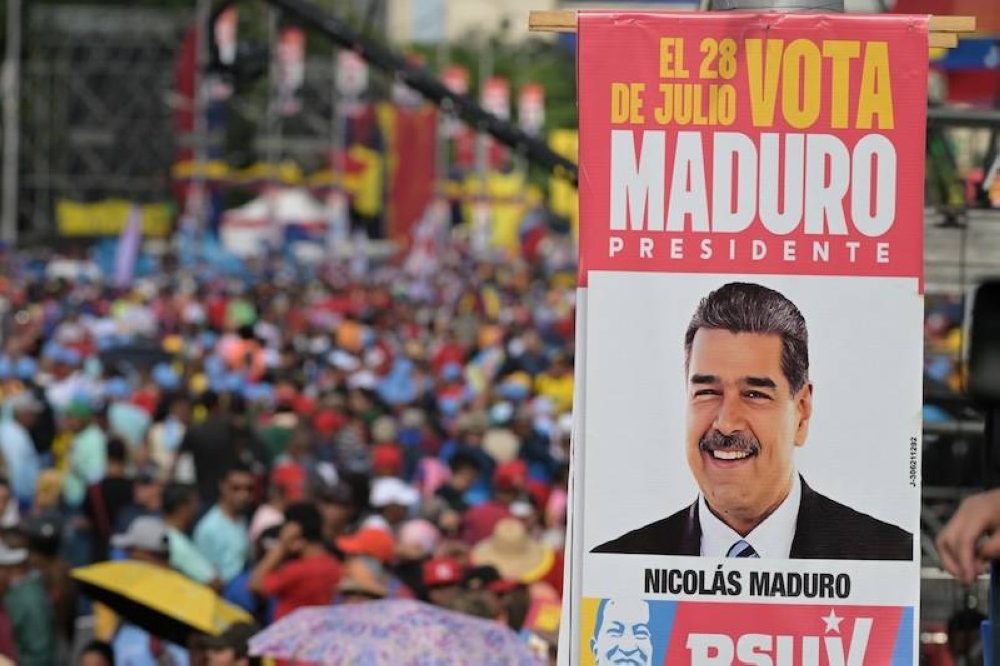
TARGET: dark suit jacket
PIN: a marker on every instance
(824, 530)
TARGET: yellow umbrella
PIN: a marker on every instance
(157, 599)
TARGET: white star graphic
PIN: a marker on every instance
(832, 622)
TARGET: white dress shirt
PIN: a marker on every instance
(772, 538)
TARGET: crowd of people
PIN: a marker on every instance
(286, 437)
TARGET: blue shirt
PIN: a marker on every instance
(186, 558)
(224, 542)
(88, 460)
(132, 648)
(22, 460)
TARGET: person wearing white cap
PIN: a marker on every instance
(19, 415)
(392, 498)
(28, 607)
(146, 540)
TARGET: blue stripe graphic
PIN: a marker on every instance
(902, 655)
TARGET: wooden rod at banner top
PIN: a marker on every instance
(944, 30)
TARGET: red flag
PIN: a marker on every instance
(411, 137)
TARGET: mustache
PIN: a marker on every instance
(637, 657)
(714, 440)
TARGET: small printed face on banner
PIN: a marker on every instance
(531, 108)
(291, 46)
(225, 35)
(456, 79)
(496, 97)
(352, 74)
(621, 633)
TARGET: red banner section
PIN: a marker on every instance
(708, 634)
(761, 144)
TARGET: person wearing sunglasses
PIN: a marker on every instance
(222, 534)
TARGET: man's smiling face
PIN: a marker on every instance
(743, 424)
(623, 636)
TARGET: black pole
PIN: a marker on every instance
(421, 80)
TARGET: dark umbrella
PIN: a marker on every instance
(135, 356)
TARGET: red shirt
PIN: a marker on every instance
(307, 581)
(7, 646)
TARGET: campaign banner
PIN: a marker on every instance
(456, 79)
(226, 26)
(531, 108)
(746, 461)
(352, 74)
(290, 52)
(496, 97)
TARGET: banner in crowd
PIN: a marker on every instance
(110, 217)
(456, 79)
(531, 108)
(410, 138)
(495, 99)
(226, 26)
(352, 74)
(290, 54)
(747, 453)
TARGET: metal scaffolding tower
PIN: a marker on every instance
(96, 107)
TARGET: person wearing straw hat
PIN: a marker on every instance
(515, 554)
(364, 579)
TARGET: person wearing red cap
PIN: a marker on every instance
(326, 422)
(509, 483)
(372, 542)
(387, 460)
(443, 580)
(376, 547)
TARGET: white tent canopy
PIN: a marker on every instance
(260, 223)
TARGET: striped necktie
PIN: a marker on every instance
(742, 549)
